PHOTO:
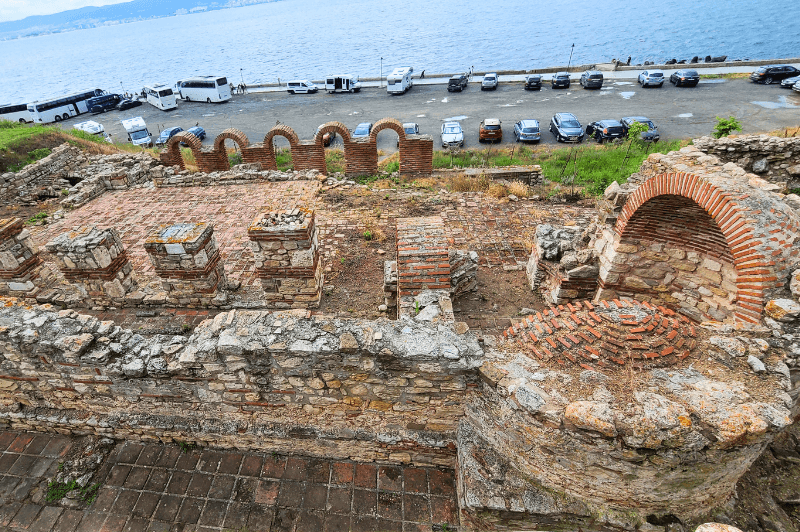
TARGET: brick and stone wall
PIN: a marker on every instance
(95, 261)
(287, 257)
(423, 261)
(561, 265)
(773, 158)
(687, 229)
(530, 175)
(19, 258)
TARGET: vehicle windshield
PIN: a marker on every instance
(361, 130)
(136, 135)
(649, 124)
(691, 73)
(656, 74)
(491, 127)
(452, 130)
(761, 69)
(410, 131)
(530, 130)
(455, 80)
(596, 76)
(489, 78)
(222, 81)
(165, 92)
(570, 123)
(562, 76)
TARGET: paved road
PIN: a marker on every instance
(679, 112)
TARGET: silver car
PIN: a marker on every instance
(527, 131)
(490, 81)
(651, 78)
(452, 135)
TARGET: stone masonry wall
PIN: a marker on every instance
(40, 177)
(19, 257)
(773, 158)
(367, 390)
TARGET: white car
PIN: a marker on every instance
(90, 126)
(452, 135)
(651, 78)
(490, 81)
(796, 87)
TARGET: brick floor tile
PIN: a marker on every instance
(416, 508)
(7, 512)
(68, 521)
(178, 482)
(22, 466)
(19, 443)
(444, 510)
(291, 493)
(245, 490)
(366, 476)
(236, 516)
(385, 525)
(229, 464)
(319, 471)
(442, 482)
(149, 455)
(136, 478)
(267, 492)
(38, 444)
(6, 461)
(169, 456)
(316, 497)
(260, 519)
(364, 523)
(337, 523)
(390, 506)
(309, 521)
(365, 502)
(342, 472)
(125, 502)
(7, 486)
(390, 478)
(118, 475)
(274, 466)
(188, 461)
(46, 520)
(167, 507)
(6, 438)
(209, 461)
(25, 516)
(213, 514)
(190, 510)
(42, 467)
(221, 487)
(146, 504)
(296, 468)
(415, 480)
(105, 499)
(417, 527)
(340, 500)
(91, 522)
(24, 488)
(284, 519)
(114, 523)
(199, 485)
(136, 524)
(157, 480)
(163, 526)
(56, 447)
(251, 465)
(129, 453)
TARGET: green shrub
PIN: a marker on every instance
(726, 126)
(283, 158)
(392, 167)
(36, 218)
(234, 158)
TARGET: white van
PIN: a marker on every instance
(160, 96)
(399, 81)
(137, 131)
(345, 83)
(301, 86)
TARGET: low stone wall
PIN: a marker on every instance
(530, 175)
(46, 177)
(775, 159)
(561, 265)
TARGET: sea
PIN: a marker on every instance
(308, 39)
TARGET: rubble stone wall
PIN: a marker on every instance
(775, 159)
(368, 390)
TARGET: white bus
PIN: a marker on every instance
(58, 109)
(204, 89)
(15, 113)
(160, 96)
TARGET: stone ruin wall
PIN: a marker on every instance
(775, 159)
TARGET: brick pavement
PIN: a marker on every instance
(156, 487)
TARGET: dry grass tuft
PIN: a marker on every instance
(463, 183)
(497, 190)
(519, 189)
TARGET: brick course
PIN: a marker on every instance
(423, 260)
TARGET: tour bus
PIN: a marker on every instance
(15, 113)
(204, 89)
(58, 109)
(160, 96)
(399, 81)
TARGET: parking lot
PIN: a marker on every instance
(678, 112)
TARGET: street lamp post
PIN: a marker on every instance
(241, 75)
(380, 80)
(570, 56)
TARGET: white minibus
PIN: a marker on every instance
(160, 96)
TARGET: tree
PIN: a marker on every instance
(726, 126)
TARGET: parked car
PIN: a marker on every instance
(452, 135)
(327, 138)
(685, 78)
(490, 81)
(533, 82)
(90, 126)
(362, 130)
(410, 128)
(167, 134)
(490, 129)
(605, 130)
(128, 104)
(301, 86)
(527, 130)
(788, 83)
(771, 73)
(566, 128)
(651, 134)
(560, 80)
(651, 78)
(102, 103)
(592, 79)
(197, 131)
(457, 83)
(796, 87)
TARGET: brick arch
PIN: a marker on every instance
(697, 219)
(335, 127)
(282, 130)
(172, 155)
(233, 134)
(388, 123)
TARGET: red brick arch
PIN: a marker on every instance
(334, 127)
(233, 134)
(388, 123)
(731, 234)
(172, 155)
(281, 130)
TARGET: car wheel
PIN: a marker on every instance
(188, 99)
(65, 116)
(768, 81)
(291, 92)
(58, 118)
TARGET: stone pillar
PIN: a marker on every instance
(19, 258)
(423, 261)
(286, 251)
(94, 260)
(187, 259)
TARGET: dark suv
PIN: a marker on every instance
(560, 79)
(605, 130)
(101, 104)
(533, 82)
(771, 73)
(566, 128)
(457, 83)
(592, 79)
(685, 78)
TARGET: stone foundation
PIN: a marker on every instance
(561, 267)
(773, 158)
(19, 258)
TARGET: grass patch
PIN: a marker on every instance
(58, 490)
(730, 75)
(283, 158)
(33, 156)
(334, 161)
(36, 218)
